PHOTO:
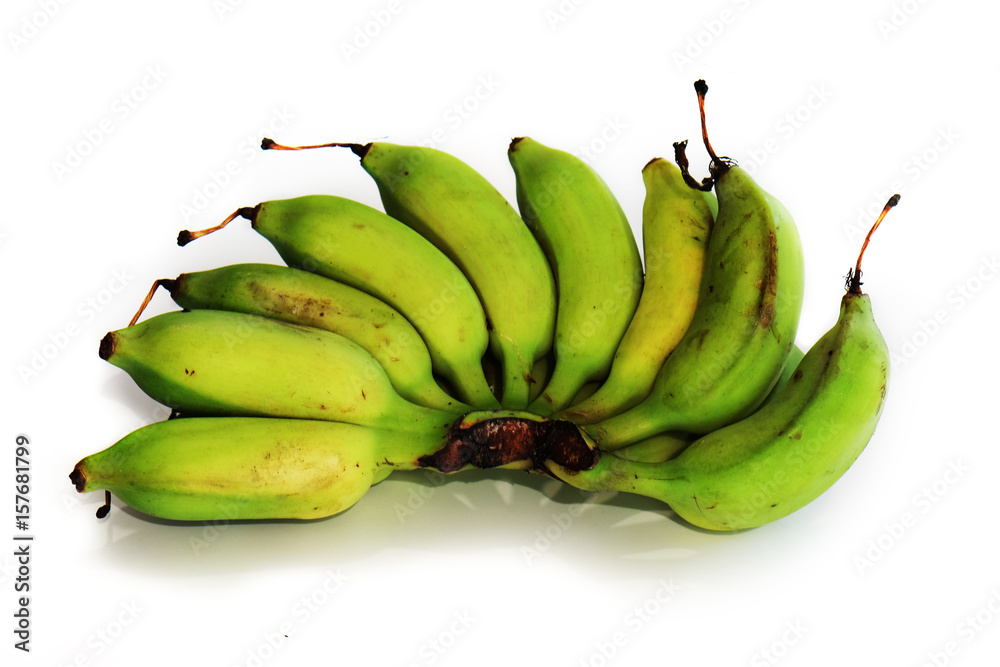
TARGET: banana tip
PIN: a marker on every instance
(78, 478)
(107, 347)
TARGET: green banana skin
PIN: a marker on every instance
(743, 328)
(676, 225)
(464, 215)
(657, 448)
(787, 453)
(236, 468)
(203, 362)
(791, 363)
(594, 257)
(239, 468)
(363, 247)
(300, 297)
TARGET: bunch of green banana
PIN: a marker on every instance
(676, 224)
(464, 215)
(742, 329)
(356, 244)
(452, 331)
(784, 455)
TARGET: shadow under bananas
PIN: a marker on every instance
(530, 516)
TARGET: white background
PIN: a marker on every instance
(120, 121)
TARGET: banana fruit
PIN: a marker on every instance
(786, 454)
(299, 297)
(365, 248)
(236, 468)
(204, 362)
(595, 259)
(676, 224)
(463, 214)
(453, 332)
(744, 324)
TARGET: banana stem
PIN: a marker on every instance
(854, 277)
(165, 282)
(185, 236)
(701, 88)
(680, 157)
(358, 149)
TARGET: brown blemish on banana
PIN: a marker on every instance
(769, 293)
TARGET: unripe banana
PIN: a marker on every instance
(788, 452)
(594, 258)
(784, 455)
(213, 362)
(676, 223)
(235, 468)
(365, 248)
(301, 297)
(656, 448)
(791, 363)
(464, 215)
(743, 328)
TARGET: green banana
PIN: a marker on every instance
(593, 254)
(464, 215)
(676, 224)
(358, 245)
(541, 370)
(791, 363)
(204, 362)
(786, 454)
(783, 456)
(743, 327)
(234, 468)
(214, 468)
(301, 297)
(656, 448)
(744, 324)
